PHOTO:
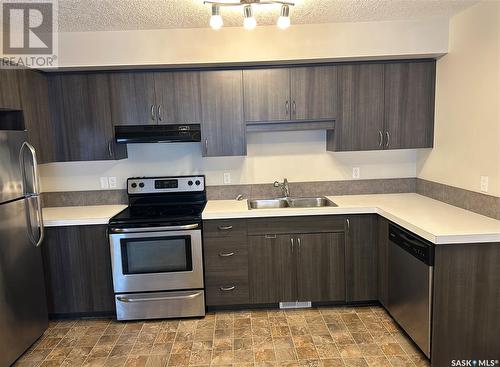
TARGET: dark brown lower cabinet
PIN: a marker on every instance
(320, 269)
(383, 253)
(77, 268)
(296, 267)
(271, 269)
(466, 307)
(361, 258)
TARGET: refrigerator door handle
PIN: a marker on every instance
(33, 195)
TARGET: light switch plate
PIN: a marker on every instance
(104, 183)
(112, 182)
(355, 172)
(227, 178)
(484, 183)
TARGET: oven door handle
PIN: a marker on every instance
(147, 299)
(155, 229)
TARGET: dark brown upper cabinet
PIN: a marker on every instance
(290, 94)
(360, 120)
(80, 108)
(37, 119)
(385, 106)
(222, 126)
(409, 105)
(142, 98)
(10, 98)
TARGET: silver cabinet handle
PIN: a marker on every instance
(110, 149)
(287, 107)
(348, 222)
(270, 236)
(206, 146)
(299, 242)
(226, 254)
(380, 138)
(294, 108)
(153, 112)
(225, 228)
(292, 244)
(228, 289)
(388, 137)
(159, 112)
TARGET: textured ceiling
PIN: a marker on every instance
(100, 15)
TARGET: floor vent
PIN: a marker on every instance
(295, 304)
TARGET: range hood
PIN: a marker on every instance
(129, 134)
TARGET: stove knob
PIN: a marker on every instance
(134, 185)
(190, 183)
(141, 185)
(197, 182)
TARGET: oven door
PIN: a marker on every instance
(156, 260)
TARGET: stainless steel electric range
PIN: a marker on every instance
(156, 249)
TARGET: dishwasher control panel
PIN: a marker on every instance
(415, 245)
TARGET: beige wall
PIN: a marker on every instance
(334, 41)
(299, 156)
(467, 128)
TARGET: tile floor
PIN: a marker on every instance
(332, 336)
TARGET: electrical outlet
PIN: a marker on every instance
(484, 183)
(104, 183)
(355, 172)
(227, 178)
(112, 182)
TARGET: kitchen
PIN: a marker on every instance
(305, 183)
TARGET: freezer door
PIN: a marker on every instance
(11, 180)
(23, 305)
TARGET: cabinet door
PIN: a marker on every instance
(360, 122)
(314, 93)
(77, 268)
(222, 127)
(383, 248)
(187, 97)
(164, 97)
(409, 105)
(35, 103)
(267, 94)
(271, 269)
(81, 112)
(361, 258)
(320, 269)
(9, 89)
(133, 98)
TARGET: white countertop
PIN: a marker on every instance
(80, 215)
(433, 220)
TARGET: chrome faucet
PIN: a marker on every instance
(285, 190)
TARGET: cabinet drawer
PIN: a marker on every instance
(224, 228)
(289, 225)
(230, 293)
(225, 253)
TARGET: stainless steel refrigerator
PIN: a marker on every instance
(23, 305)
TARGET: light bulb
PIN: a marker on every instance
(216, 22)
(216, 19)
(249, 21)
(284, 18)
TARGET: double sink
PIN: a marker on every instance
(290, 202)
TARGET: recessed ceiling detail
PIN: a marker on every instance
(116, 15)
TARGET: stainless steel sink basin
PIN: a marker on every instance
(291, 202)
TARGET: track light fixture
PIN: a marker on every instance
(249, 21)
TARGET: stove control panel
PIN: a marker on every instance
(157, 185)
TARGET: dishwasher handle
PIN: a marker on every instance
(411, 243)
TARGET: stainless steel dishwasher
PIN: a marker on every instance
(410, 265)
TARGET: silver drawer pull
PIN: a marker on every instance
(227, 289)
(226, 254)
(225, 228)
